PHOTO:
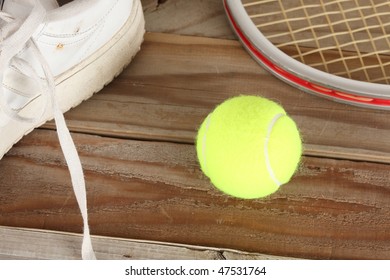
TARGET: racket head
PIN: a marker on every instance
(297, 74)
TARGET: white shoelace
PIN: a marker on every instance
(21, 36)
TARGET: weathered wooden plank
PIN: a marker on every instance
(156, 191)
(175, 81)
(22, 243)
(186, 17)
(149, 5)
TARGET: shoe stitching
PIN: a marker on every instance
(90, 34)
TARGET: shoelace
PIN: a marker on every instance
(21, 36)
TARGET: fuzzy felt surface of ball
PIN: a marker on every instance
(248, 147)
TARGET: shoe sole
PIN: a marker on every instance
(88, 77)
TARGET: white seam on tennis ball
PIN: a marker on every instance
(267, 160)
(204, 143)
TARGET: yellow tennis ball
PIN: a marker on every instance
(248, 147)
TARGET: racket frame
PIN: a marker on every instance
(299, 75)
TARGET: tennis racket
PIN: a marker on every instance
(338, 49)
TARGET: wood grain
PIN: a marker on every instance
(156, 191)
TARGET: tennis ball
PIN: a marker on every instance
(248, 147)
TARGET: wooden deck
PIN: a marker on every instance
(148, 198)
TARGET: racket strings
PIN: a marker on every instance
(349, 38)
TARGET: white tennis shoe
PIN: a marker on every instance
(84, 43)
(52, 58)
